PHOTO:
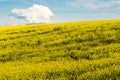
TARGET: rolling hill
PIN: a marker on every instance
(87, 50)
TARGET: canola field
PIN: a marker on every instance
(87, 50)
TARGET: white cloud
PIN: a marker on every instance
(35, 14)
(111, 4)
(81, 2)
(10, 20)
(96, 4)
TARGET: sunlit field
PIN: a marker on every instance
(87, 50)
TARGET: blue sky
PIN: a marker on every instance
(63, 10)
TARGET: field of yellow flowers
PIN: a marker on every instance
(87, 50)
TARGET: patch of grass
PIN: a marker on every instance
(66, 51)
